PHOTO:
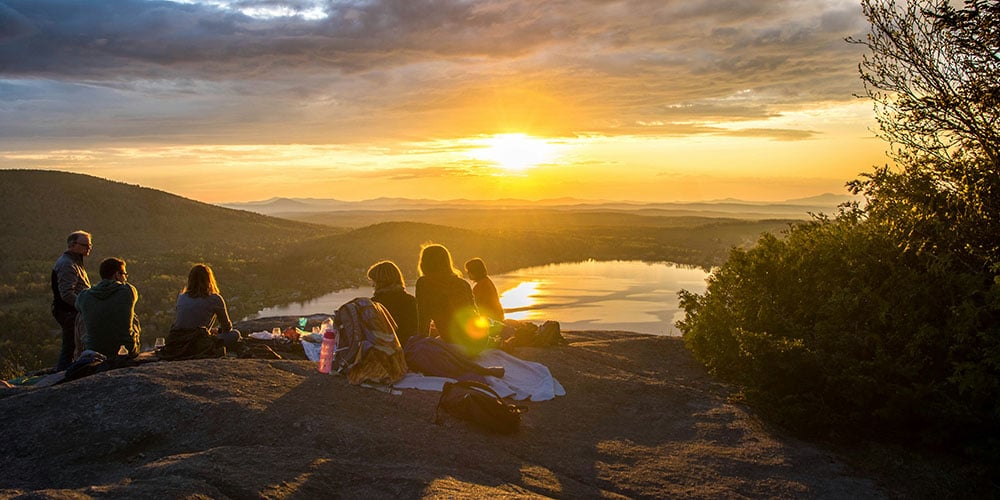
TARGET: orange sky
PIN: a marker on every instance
(645, 100)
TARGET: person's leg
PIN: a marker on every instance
(67, 322)
(461, 358)
(230, 339)
(78, 332)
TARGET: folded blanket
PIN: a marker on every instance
(523, 380)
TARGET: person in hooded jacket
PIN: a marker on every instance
(108, 311)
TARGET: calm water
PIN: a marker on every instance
(616, 295)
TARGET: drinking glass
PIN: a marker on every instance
(160, 342)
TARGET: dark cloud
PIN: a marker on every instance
(371, 67)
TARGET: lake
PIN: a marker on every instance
(593, 295)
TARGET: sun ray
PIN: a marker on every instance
(515, 152)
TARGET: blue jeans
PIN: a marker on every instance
(67, 321)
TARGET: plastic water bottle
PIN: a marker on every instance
(327, 350)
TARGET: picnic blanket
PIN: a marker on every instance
(522, 380)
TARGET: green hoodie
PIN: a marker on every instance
(108, 310)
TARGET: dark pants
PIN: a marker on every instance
(66, 320)
(436, 358)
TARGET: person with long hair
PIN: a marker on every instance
(201, 305)
(446, 299)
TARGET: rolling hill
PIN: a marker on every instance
(41, 207)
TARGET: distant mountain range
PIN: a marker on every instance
(795, 208)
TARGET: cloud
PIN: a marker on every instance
(343, 71)
(771, 133)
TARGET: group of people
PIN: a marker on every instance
(447, 322)
(101, 318)
(440, 328)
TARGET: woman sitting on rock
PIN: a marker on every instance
(201, 305)
(444, 298)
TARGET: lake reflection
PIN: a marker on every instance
(616, 295)
(613, 295)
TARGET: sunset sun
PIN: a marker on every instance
(515, 152)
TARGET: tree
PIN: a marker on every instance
(885, 321)
(933, 72)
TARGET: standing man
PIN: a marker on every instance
(69, 278)
(108, 312)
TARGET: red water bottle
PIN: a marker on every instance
(327, 350)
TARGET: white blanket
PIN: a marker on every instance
(522, 379)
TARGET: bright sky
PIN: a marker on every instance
(644, 100)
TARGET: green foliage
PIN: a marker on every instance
(25, 342)
(885, 322)
(933, 75)
(835, 330)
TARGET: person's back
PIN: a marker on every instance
(448, 302)
(444, 298)
(195, 312)
(108, 310)
(390, 291)
(484, 291)
(200, 305)
(403, 308)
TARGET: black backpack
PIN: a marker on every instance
(478, 403)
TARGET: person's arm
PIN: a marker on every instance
(423, 310)
(225, 324)
(467, 295)
(68, 280)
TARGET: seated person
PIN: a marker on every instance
(445, 299)
(108, 311)
(390, 291)
(200, 305)
(485, 292)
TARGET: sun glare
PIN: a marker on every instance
(517, 301)
(515, 152)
